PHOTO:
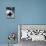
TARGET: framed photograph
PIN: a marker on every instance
(32, 32)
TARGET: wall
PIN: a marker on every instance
(27, 12)
(6, 25)
(31, 11)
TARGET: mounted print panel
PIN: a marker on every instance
(32, 32)
(10, 12)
